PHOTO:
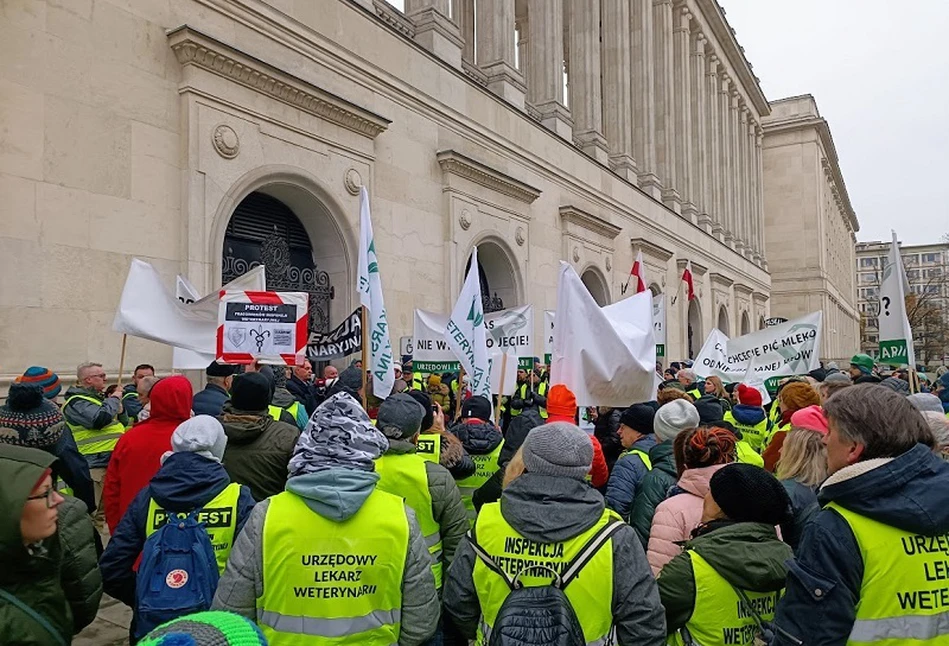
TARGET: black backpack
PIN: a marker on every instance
(542, 616)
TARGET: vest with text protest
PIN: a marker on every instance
(91, 441)
(429, 447)
(329, 583)
(904, 595)
(486, 465)
(754, 435)
(178, 573)
(590, 593)
(218, 516)
(405, 475)
(720, 616)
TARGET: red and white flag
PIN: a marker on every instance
(637, 275)
(687, 279)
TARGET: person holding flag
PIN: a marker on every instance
(466, 333)
(376, 346)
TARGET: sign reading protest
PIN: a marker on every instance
(791, 348)
(269, 327)
(509, 331)
(659, 324)
(345, 340)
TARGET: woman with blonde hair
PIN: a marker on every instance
(715, 388)
(802, 468)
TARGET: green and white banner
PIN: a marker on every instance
(896, 337)
(369, 287)
(466, 333)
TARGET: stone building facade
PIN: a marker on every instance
(207, 135)
(810, 225)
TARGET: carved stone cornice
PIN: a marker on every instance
(574, 218)
(697, 269)
(394, 18)
(720, 280)
(455, 163)
(760, 298)
(193, 48)
(741, 288)
(651, 249)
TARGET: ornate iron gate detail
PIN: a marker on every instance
(288, 269)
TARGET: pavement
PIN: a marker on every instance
(111, 626)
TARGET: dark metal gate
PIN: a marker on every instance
(264, 231)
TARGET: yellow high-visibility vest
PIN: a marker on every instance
(329, 583)
(486, 466)
(91, 441)
(590, 592)
(754, 435)
(720, 616)
(219, 516)
(429, 447)
(642, 456)
(405, 475)
(904, 595)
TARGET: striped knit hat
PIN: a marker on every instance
(211, 628)
(28, 419)
(43, 377)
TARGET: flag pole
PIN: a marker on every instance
(365, 359)
(461, 376)
(503, 371)
(118, 381)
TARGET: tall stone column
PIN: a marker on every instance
(617, 88)
(700, 152)
(495, 35)
(643, 74)
(665, 107)
(585, 82)
(545, 68)
(682, 97)
(741, 139)
(434, 30)
(463, 14)
(715, 138)
(738, 232)
(750, 212)
(728, 156)
(759, 195)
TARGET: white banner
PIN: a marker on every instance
(548, 336)
(369, 287)
(605, 356)
(511, 328)
(182, 359)
(466, 333)
(791, 348)
(659, 323)
(896, 337)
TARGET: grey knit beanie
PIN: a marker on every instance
(926, 402)
(558, 449)
(673, 418)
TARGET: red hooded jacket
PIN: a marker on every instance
(137, 454)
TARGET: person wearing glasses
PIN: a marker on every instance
(50, 585)
(96, 421)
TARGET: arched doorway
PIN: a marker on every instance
(695, 335)
(266, 229)
(497, 276)
(745, 324)
(596, 285)
(723, 320)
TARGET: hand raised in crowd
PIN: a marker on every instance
(438, 420)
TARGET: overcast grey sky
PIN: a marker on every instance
(879, 70)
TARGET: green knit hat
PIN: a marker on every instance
(212, 628)
(862, 361)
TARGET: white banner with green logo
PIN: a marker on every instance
(896, 337)
(791, 348)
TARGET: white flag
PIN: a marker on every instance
(606, 357)
(182, 359)
(466, 334)
(369, 287)
(896, 337)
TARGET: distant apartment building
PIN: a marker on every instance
(927, 271)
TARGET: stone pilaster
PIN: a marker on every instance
(643, 74)
(735, 168)
(495, 35)
(585, 82)
(617, 88)
(434, 30)
(716, 209)
(665, 107)
(545, 70)
(728, 179)
(751, 189)
(463, 14)
(700, 149)
(682, 96)
(742, 177)
(759, 195)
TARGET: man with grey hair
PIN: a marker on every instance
(96, 421)
(939, 425)
(686, 377)
(870, 566)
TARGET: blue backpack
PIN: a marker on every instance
(177, 575)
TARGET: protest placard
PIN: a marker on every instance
(344, 340)
(509, 331)
(790, 348)
(269, 327)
